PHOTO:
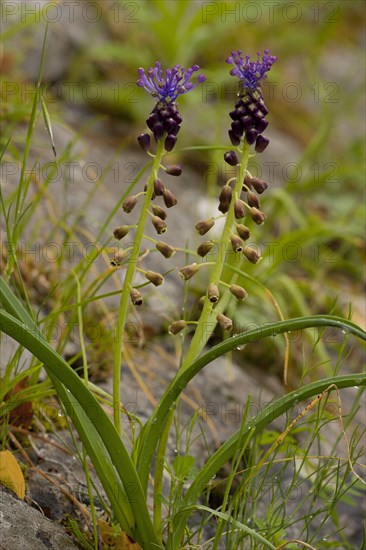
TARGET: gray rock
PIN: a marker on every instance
(23, 527)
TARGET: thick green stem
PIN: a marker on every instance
(127, 285)
(207, 321)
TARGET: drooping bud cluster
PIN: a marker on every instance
(250, 110)
(249, 119)
(158, 217)
(165, 120)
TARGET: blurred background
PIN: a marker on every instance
(313, 240)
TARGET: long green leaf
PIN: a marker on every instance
(150, 433)
(89, 418)
(104, 468)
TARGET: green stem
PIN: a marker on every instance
(86, 381)
(207, 321)
(127, 285)
(204, 328)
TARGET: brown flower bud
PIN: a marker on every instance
(159, 211)
(252, 199)
(258, 184)
(213, 293)
(239, 209)
(201, 303)
(153, 195)
(188, 271)
(236, 243)
(169, 199)
(155, 278)
(252, 255)
(243, 232)
(166, 250)
(121, 231)
(174, 170)
(129, 204)
(144, 142)
(118, 257)
(158, 187)
(204, 226)
(159, 224)
(177, 326)
(238, 292)
(225, 198)
(257, 216)
(205, 248)
(224, 322)
(136, 297)
(231, 158)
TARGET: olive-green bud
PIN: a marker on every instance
(239, 209)
(243, 232)
(213, 293)
(224, 322)
(136, 297)
(169, 199)
(118, 257)
(252, 199)
(204, 226)
(121, 232)
(166, 250)
(238, 292)
(155, 278)
(159, 224)
(236, 243)
(205, 248)
(257, 216)
(129, 204)
(159, 211)
(177, 326)
(251, 254)
(188, 271)
(158, 187)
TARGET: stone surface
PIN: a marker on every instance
(25, 528)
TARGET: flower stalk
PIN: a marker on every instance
(127, 285)
(207, 321)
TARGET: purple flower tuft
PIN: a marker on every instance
(164, 120)
(248, 117)
(250, 72)
(175, 83)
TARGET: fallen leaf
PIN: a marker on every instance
(116, 540)
(11, 475)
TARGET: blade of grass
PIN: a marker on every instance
(150, 434)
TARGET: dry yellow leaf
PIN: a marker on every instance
(11, 475)
(113, 540)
